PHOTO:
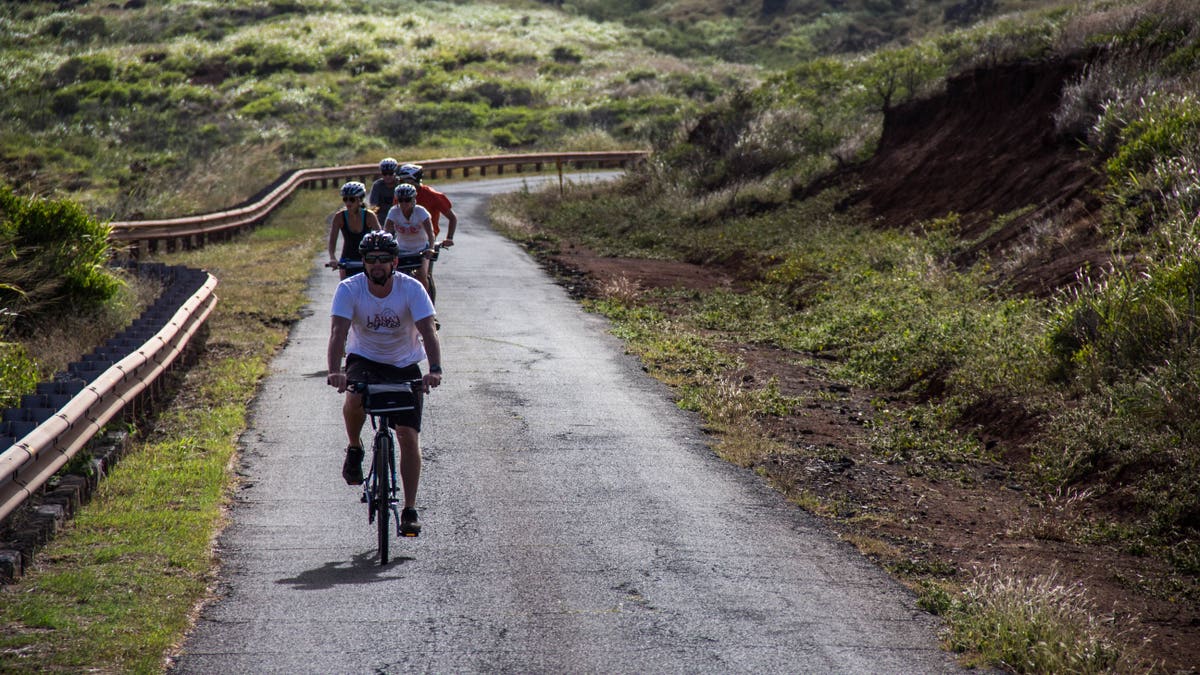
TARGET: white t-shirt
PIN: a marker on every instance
(383, 329)
(409, 232)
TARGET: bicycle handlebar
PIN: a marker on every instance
(357, 265)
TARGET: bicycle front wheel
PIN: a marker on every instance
(383, 492)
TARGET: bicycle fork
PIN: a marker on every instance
(370, 485)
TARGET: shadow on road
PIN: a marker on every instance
(362, 569)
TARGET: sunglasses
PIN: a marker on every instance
(377, 258)
(404, 199)
(349, 200)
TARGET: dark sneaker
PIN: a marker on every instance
(352, 467)
(409, 525)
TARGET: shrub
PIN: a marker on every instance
(265, 58)
(61, 250)
(410, 124)
(505, 138)
(18, 373)
(566, 54)
(83, 68)
(498, 94)
(75, 28)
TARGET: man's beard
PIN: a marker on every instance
(380, 277)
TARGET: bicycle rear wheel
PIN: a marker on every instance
(383, 492)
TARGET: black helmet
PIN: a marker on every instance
(378, 240)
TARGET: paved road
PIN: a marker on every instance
(574, 519)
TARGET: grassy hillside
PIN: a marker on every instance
(168, 108)
(782, 32)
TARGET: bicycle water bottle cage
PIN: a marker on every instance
(380, 399)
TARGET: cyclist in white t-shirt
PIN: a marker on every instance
(413, 230)
(383, 323)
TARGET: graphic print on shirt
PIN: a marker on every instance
(384, 320)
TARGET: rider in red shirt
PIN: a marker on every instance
(437, 203)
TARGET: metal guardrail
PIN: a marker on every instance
(28, 464)
(193, 231)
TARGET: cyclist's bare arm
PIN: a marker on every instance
(339, 329)
(451, 224)
(333, 237)
(427, 225)
(433, 349)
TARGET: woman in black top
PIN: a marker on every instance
(353, 220)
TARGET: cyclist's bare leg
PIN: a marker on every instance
(355, 417)
(410, 462)
(422, 275)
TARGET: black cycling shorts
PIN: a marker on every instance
(361, 369)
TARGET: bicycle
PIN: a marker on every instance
(379, 489)
(411, 263)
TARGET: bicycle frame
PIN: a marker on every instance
(380, 486)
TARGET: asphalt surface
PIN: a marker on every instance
(574, 519)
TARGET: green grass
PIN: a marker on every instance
(160, 102)
(1040, 624)
(115, 591)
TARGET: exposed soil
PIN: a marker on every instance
(985, 147)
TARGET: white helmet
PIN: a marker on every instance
(411, 172)
(404, 191)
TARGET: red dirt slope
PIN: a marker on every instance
(985, 148)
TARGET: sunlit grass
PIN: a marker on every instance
(1038, 624)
